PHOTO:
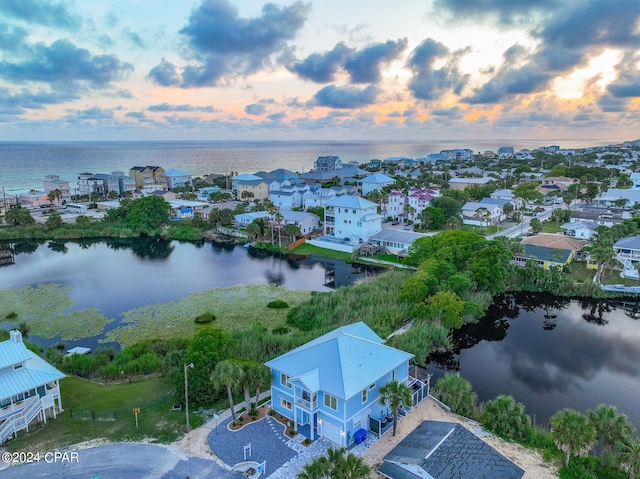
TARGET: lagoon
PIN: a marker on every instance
(115, 276)
(551, 353)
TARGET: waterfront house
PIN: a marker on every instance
(53, 182)
(245, 219)
(327, 163)
(543, 256)
(375, 182)
(329, 387)
(351, 217)
(627, 251)
(307, 222)
(395, 241)
(29, 387)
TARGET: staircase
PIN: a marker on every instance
(20, 420)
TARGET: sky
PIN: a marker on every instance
(323, 69)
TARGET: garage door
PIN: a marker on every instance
(331, 431)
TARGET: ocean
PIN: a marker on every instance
(23, 165)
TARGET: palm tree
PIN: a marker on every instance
(506, 417)
(456, 392)
(279, 219)
(262, 378)
(630, 457)
(409, 211)
(611, 427)
(481, 215)
(227, 374)
(319, 468)
(508, 209)
(396, 394)
(572, 433)
(337, 464)
(453, 222)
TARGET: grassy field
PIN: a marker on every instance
(236, 307)
(580, 273)
(156, 421)
(551, 227)
(613, 277)
(311, 250)
(481, 230)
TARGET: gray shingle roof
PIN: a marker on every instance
(448, 451)
(628, 243)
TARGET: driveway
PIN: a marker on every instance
(123, 460)
(267, 439)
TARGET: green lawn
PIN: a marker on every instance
(157, 422)
(311, 250)
(613, 277)
(387, 257)
(580, 273)
(481, 230)
(551, 227)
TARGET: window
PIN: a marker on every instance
(373, 386)
(17, 366)
(354, 212)
(365, 393)
(345, 222)
(393, 375)
(359, 224)
(330, 401)
(284, 380)
(356, 425)
(286, 404)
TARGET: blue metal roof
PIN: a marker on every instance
(347, 360)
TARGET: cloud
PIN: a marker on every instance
(164, 107)
(223, 46)
(40, 12)
(140, 116)
(93, 113)
(165, 74)
(63, 65)
(611, 104)
(506, 12)
(447, 112)
(345, 97)
(429, 83)
(322, 67)
(13, 38)
(255, 109)
(364, 66)
(134, 38)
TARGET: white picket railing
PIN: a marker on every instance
(21, 420)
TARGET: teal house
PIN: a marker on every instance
(329, 387)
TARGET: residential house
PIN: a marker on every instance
(618, 197)
(29, 387)
(627, 251)
(205, 192)
(88, 184)
(544, 256)
(186, 212)
(330, 387)
(280, 175)
(125, 182)
(53, 182)
(287, 198)
(456, 154)
(317, 197)
(462, 183)
(505, 151)
(109, 182)
(473, 213)
(394, 206)
(505, 194)
(328, 163)
(555, 184)
(177, 179)
(580, 229)
(351, 217)
(307, 222)
(149, 175)
(417, 198)
(253, 184)
(395, 241)
(347, 171)
(445, 450)
(33, 199)
(375, 182)
(245, 219)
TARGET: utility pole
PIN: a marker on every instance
(186, 394)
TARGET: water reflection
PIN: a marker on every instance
(551, 353)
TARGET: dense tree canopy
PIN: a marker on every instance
(148, 215)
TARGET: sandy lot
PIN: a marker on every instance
(531, 462)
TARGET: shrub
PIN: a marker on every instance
(280, 330)
(277, 304)
(206, 317)
(11, 315)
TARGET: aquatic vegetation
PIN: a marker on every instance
(235, 307)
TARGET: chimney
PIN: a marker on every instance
(15, 336)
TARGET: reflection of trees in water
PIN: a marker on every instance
(145, 247)
(25, 246)
(58, 246)
(594, 311)
(223, 247)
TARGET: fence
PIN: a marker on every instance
(112, 415)
(297, 243)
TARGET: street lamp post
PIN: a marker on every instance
(186, 394)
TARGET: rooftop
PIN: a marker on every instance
(555, 242)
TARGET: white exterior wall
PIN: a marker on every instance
(348, 222)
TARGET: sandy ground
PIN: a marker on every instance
(531, 462)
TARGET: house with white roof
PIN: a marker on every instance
(29, 387)
(580, 229)
(480, 214)
(375, 182)
(330, 387)
(505, 194)
(286, 198)
(177, 178)
(351, 217)
(318, 197)
(245, 219)
(307, 222)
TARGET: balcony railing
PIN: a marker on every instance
(306, 404)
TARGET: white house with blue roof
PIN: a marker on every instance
(29, 387)
(329, 387)
(375, 182)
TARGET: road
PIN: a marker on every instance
(523, 227)
(122, 460)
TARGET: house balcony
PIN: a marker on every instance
(307, 404)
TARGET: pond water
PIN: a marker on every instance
(118, 275)
(551, 353)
